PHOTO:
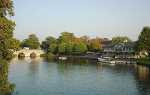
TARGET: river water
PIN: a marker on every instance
(77, 77)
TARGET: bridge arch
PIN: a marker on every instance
(29, 53)
(33, 55)
(21, 54)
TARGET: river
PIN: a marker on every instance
(77, 77)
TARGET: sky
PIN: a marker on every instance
(102, 18)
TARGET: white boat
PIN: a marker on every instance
(62, 58)
(112, 62)
(100, 59)
(107, 60)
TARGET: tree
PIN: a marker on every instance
(6, 33)
(85, 39)
(6, 28)
(53, 48)
(62, 48)
(6, 8)
(14, 44)
(32, 42)
(119, 39)
(66, 37)
(66, 42)
(95, 44)
(143, 43)
(49, 43)
(80, 48)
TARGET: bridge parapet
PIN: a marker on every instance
(28, 52)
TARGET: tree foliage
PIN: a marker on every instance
(6, 34)
(143, 43)
(80, 48)
(53, 48)
(32, 42)
(69, 44)
(95, 44)
(6, 28)
(50, 44)
(6, 8)
(119, 39)
(14, 44)
(62, 48)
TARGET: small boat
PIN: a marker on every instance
(112, 62)
(106, 60)
(100, 59)
(62, 58)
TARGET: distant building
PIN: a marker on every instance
(121, 50)
(105, 42)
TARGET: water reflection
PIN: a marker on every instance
(143, 73)
(78, 77)
(143, 80)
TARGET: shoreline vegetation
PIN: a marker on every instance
(67, 44)
(144, 61)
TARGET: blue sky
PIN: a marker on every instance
(103, 18)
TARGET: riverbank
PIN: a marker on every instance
(144, 61)
(84, 56)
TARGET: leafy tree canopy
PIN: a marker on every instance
(143, 42)
(95, 44)
(32, 42)
(6, 8)
(119, 39)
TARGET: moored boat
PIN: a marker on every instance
(62, 58)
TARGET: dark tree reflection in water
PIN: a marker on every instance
(6, 88)
(143, 80)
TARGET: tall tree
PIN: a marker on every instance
(14, 44)
(32, 42)
(50, 44)
(66, 37)
(144, 40)
(95, 44)
(6, 8)
(85, 39)
(6, 28)
(66, 42)
(62, 48)
(6, 33)
(79, 47)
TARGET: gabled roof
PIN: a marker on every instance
(129, 44)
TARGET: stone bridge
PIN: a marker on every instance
(28, 52)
